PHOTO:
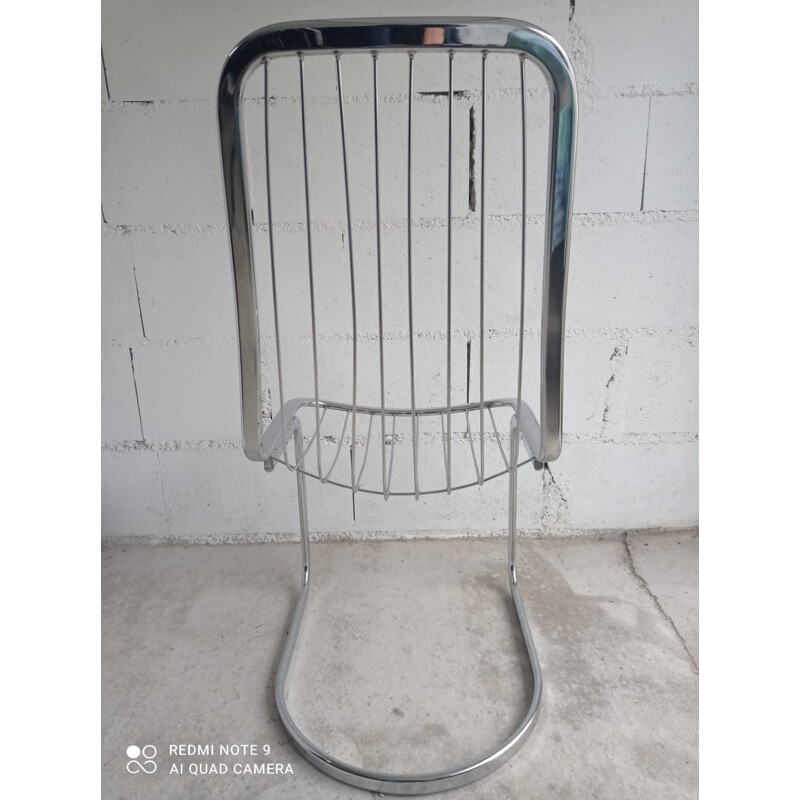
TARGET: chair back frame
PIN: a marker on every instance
(411, 35)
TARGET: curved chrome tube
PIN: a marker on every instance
(482, 34)
(390, 783)
(542, 440)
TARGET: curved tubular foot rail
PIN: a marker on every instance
(390, 783)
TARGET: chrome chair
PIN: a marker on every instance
(470, 429)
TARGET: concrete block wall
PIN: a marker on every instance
(172, 463)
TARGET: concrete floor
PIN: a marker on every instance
(409, 659)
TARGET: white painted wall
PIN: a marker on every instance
(172, 464)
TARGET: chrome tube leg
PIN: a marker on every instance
(512, 574)
(302, 503)
(512, 502)
(297, 619)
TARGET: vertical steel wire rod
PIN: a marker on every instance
(391, 455)
(380, 276)
(449, 270)
(366, 453)
(337, 54)
(444, 446)
(472, 448)
(272, 258)
(414, 420)
(338, 448)
(314, 438)
(515, 446)
(497, 439)
(310, 260)
(483, 253)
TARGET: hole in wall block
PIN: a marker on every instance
(473, 203)
(469, 358)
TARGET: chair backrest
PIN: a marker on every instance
(384, 200)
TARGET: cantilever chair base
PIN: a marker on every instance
(389, 783)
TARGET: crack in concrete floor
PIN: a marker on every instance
(643, 583)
